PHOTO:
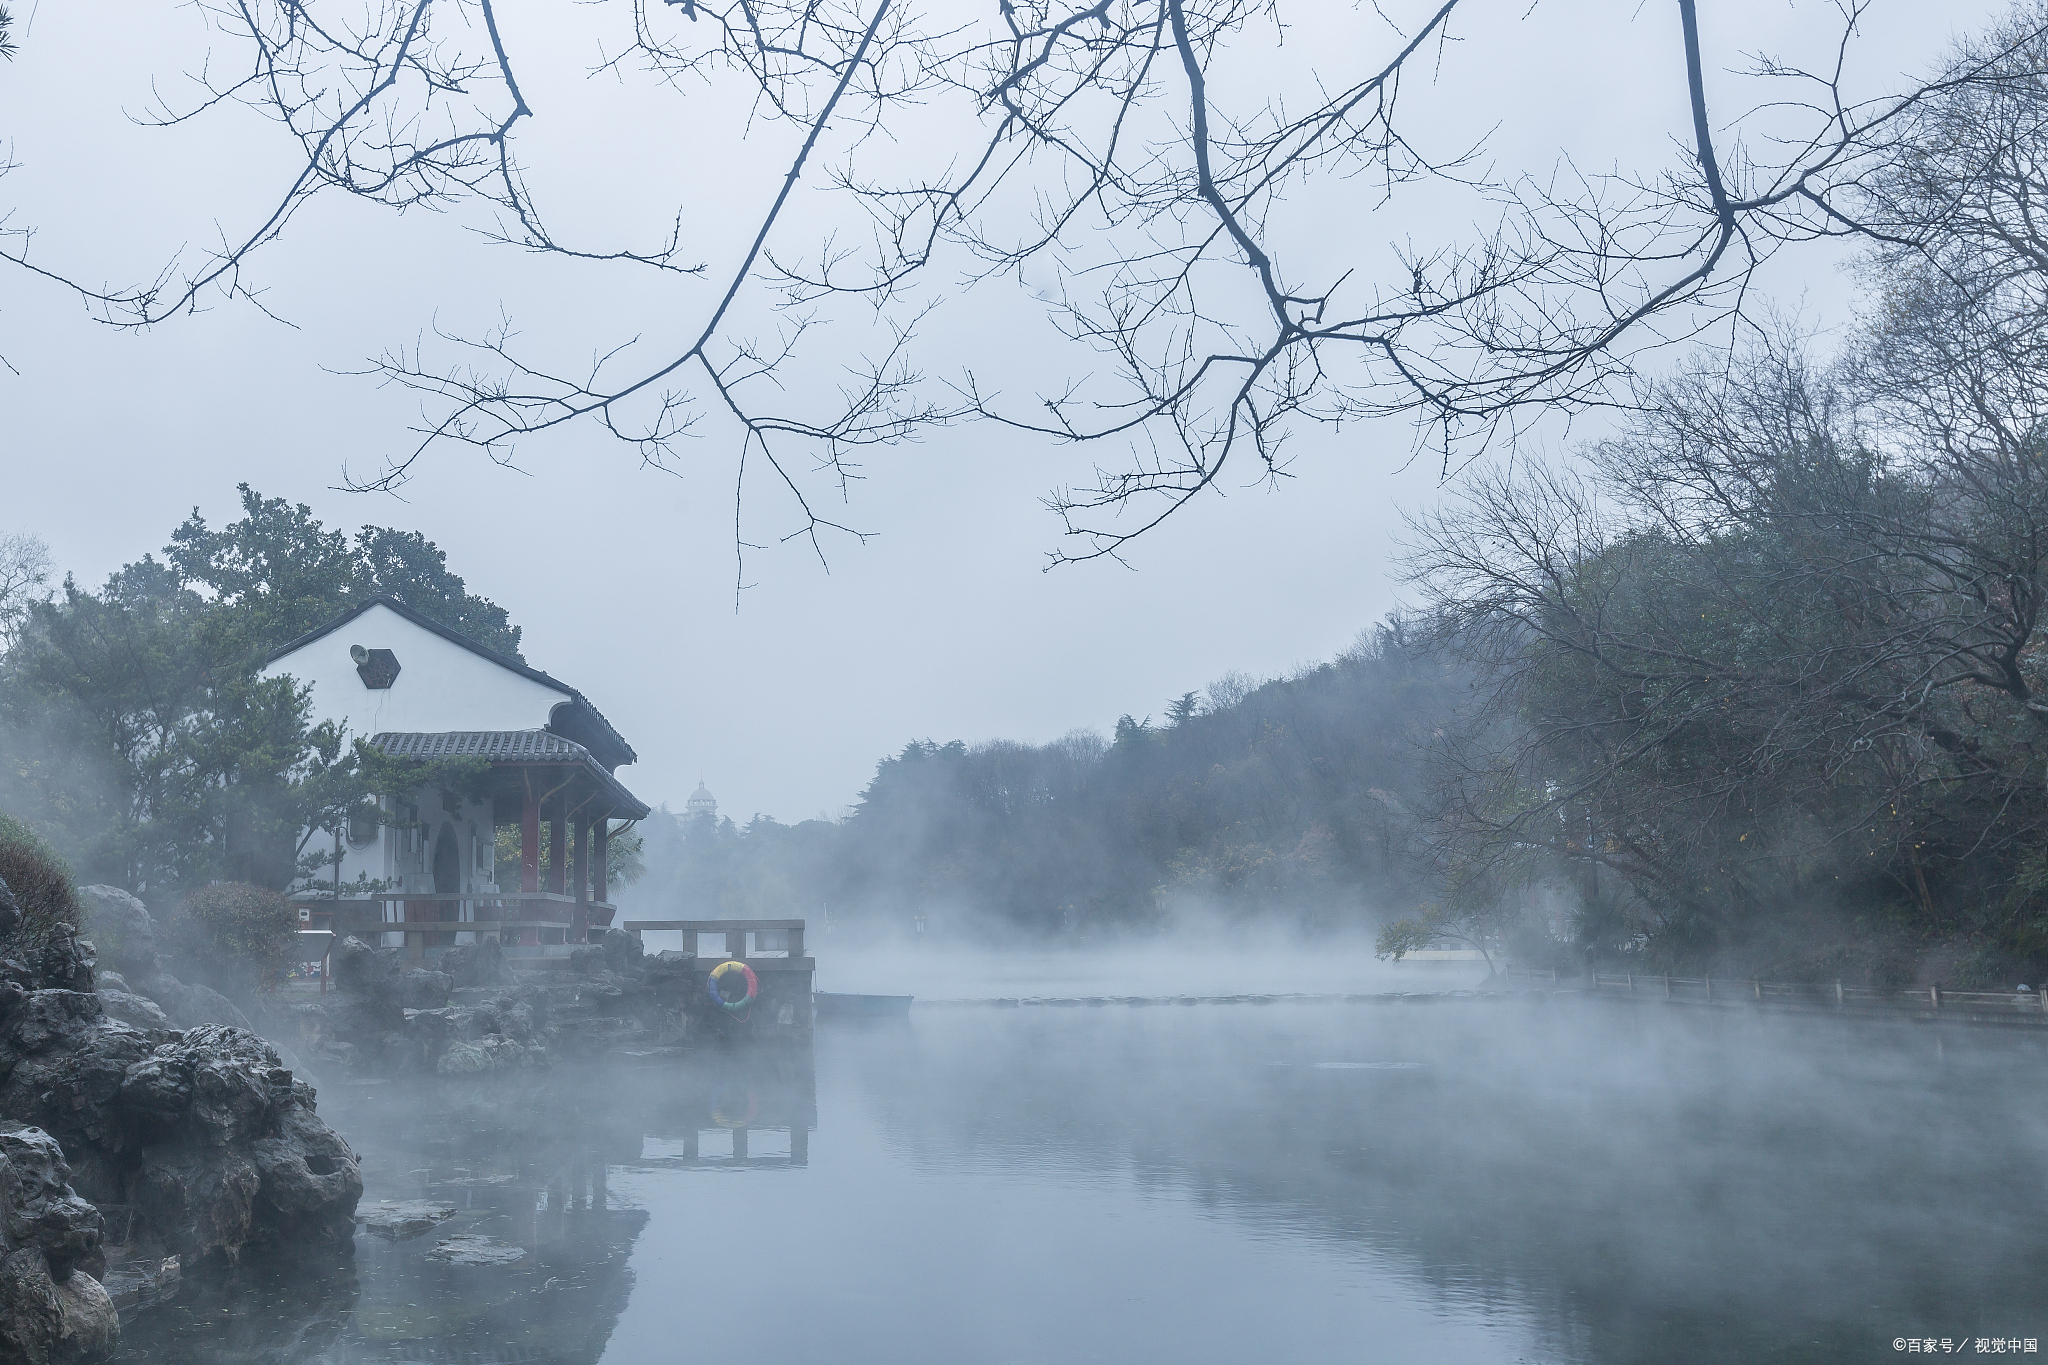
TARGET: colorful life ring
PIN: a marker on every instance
(725, 969)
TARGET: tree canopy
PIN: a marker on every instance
(136, 735)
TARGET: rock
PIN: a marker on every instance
(479, 965)
(121, 929)
(52, 1312)
(135, 1285)
(203, 1138)
(364, 970)
(622, 951)
(65, 961)
(37, 1205)
(423, 990)
(468, 1248)
(134, 1010)
(43, 1322)
(492, 1053)
(396, 1220)
(191, 1006)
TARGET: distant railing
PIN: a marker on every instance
(1805, 995)
(785, 936)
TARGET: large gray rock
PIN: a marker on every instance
(470, 1248)
(423, 990)
(189, 1006)
(136, 1011)
(246, 1158)
(120, 928)
(52, 1311)
(204, 1135)
(478, 966)
(396, 1220)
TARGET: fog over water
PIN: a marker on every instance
(1139, 836)
(1453, 1178)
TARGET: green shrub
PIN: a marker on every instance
(41, 884)
(234, 936)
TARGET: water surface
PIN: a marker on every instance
(1466, 1180)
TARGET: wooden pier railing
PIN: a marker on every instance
(778, 943)
(2029, 1006)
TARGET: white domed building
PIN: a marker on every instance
(701, 802)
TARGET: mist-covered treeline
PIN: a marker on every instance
(135, 735)
(1772, 654)
(1298, 795)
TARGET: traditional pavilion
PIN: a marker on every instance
(422, 691)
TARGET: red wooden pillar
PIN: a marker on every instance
(529, 863)
(558, 854)
(579, 867)
(529, 845)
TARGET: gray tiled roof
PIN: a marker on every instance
(516, 746)
(509, 746)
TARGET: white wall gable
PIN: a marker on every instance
(440, 686)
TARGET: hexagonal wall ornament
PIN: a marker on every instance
(378, 668)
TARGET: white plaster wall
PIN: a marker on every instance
(440, 686)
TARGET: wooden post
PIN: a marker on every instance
(1934, 996)
(796, 942)
(558, 870)
(600, 868)
(736, 943)
(579, 869)
(739, 1144)
(1838, 993)
(529, 845)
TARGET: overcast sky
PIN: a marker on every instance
(943, 624)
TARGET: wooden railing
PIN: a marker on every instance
(770, 935)
(1805, 995)
(494, 914)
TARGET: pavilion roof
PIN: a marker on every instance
(512, 749)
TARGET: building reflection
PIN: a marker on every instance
(532, 1262)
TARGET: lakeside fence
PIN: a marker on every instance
(2019, 1007)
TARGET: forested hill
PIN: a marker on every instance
(1294, 795)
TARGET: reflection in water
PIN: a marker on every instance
(527, 1168)
(1478, 1180)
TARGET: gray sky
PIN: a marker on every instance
(943, 624)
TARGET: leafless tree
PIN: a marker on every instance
(1105, 157)
(1791, 622)
(24, 575)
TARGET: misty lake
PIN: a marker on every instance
(1453, 1179)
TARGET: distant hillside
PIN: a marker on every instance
(1293, 795)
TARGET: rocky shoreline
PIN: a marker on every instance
(471, 1014)
(143, 1124)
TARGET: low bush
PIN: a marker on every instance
(41, 885)
(234, 937)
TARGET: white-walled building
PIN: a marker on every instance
(419, 690)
